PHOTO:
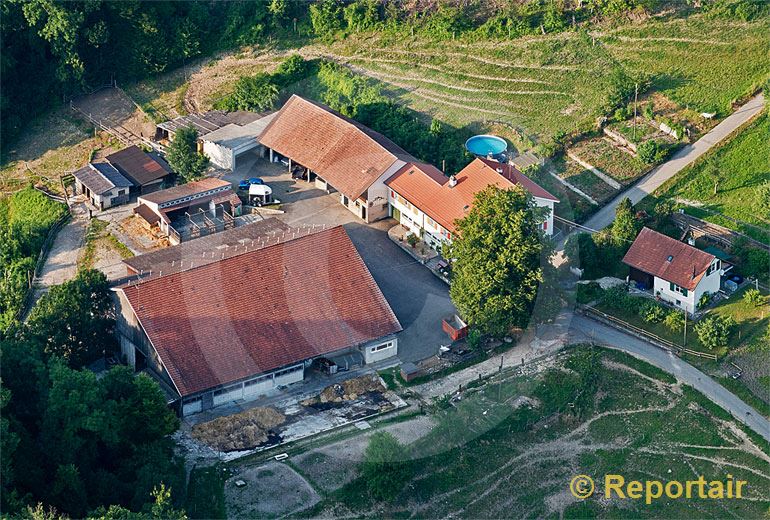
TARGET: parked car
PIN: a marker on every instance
(245, 183)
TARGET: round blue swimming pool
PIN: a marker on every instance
(484, 145)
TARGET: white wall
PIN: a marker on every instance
(545, 203)
(219, 155)
(708, 284)
(380, 350)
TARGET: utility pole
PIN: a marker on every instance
(685, 327)
(636, 95)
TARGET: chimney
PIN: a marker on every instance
(452, 181)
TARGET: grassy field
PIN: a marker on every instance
(610, 159)
(205, 494)
(744, 167)
(595, 412)
(683, 55)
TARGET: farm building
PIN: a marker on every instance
(146, 173)
(205, 250)
(428, 203)
(102, 184)
(203, 123)
(191, 210)
(246, 325)
(336, 153)
(676, 272)
(224, 145)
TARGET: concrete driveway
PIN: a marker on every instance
(419, 299)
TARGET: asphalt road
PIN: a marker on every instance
(586, 328)
(684, 157)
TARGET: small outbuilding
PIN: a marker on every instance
(146, 172)
(225, 145)
(102, 184)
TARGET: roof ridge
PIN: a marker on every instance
(304, 231)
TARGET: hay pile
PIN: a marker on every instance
(350, 390)
(240, 431)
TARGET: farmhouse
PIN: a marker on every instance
(224, 145)
(146, 173)
(240, 327)
(336, 153)
(191, 210)
(102, 184)
(428, 203)
(676, 272)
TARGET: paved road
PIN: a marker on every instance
(61, 264)
(681, 159)
(588, 329)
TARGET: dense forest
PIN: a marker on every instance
(54, 49)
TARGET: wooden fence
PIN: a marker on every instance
(646, 335)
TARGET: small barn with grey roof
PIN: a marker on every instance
(102, 184)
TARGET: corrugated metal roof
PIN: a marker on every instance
(101, 178)
(137, 165)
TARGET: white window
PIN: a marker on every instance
(384, 346)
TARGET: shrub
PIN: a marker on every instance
(474, 339)
(753, 297)
(255, 93)
(714, 331)
(588, 292)
(704, 300)
(674, 321)
(412, 239)
(385, 468)
(652, 312)
(648, 151)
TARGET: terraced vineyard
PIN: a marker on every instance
(700, 63)
(544, 85)
(552, 84)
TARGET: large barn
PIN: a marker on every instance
(243, 326)
(336, 153)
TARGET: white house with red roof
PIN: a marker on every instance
(429, 203)
(676, 272)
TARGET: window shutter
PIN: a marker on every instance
(671, 286)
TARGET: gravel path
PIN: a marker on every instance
(61, 264)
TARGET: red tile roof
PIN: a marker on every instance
(261, 310)
(667, 258)
(511, 173)
(138, 166)
(427, 188)
(343, 152)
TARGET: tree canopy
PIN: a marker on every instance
(75, 320)
(183, 155)
(497, 260)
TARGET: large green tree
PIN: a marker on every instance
(625, 227)
(183, 155)
(75, 320)
(498, 259)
